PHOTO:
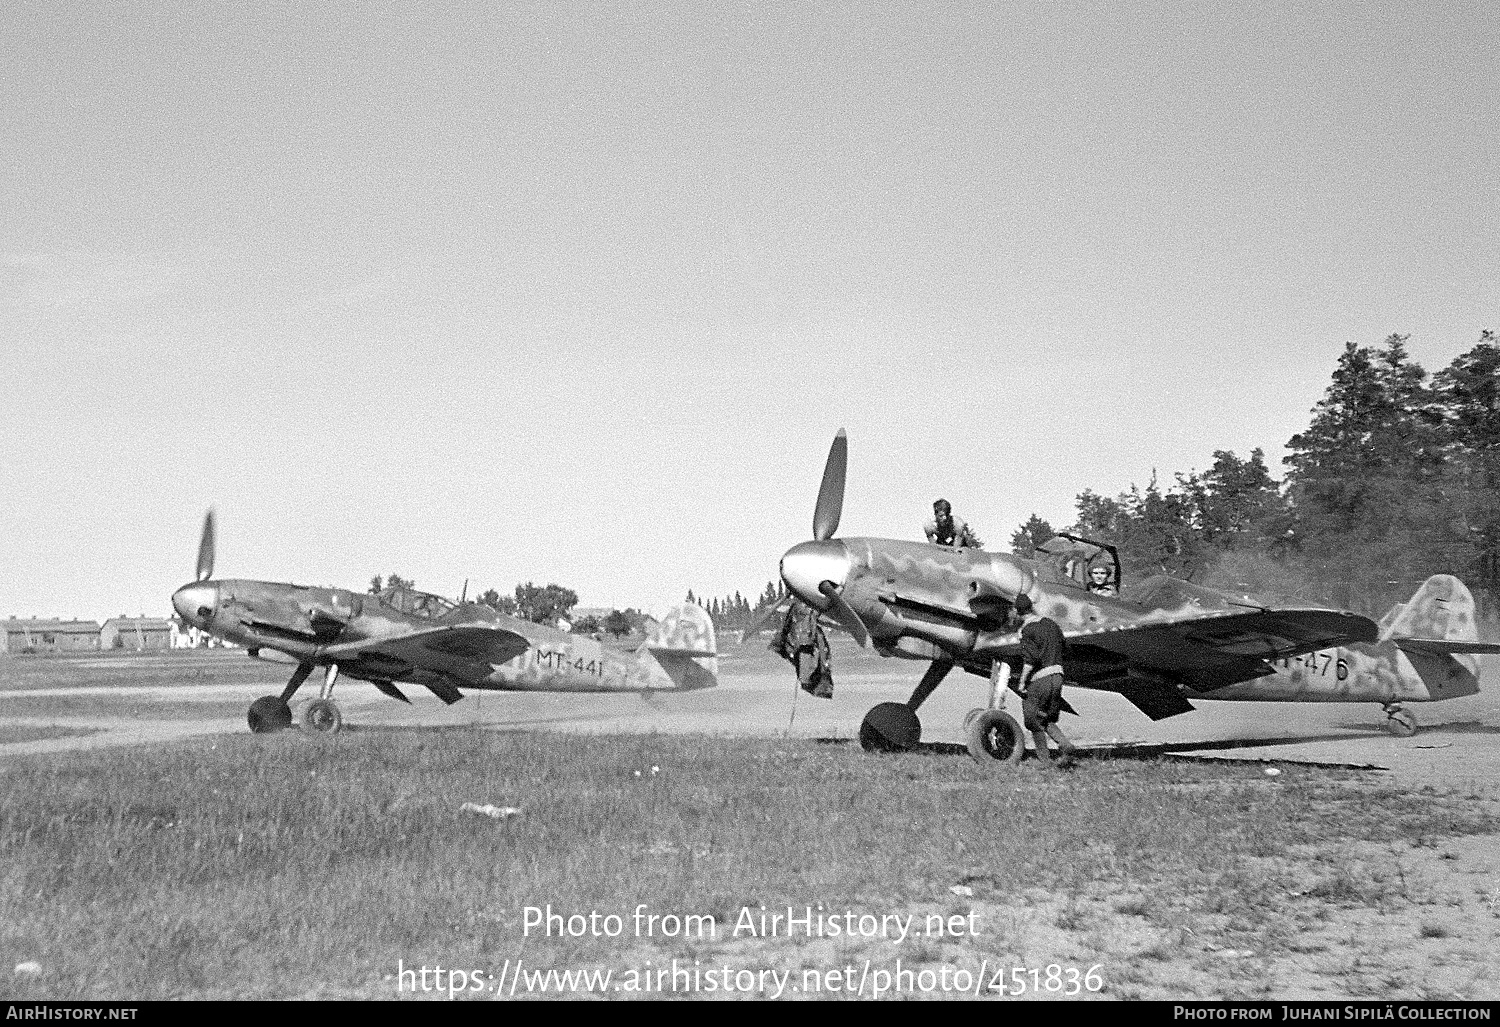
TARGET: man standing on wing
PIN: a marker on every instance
(1041, 682)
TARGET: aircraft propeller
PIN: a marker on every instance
(206, 548)
(821, 566)
(831, 492)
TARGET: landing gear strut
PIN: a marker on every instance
(322, 716)
(993, 735)
(893, 726)
(1399, 722)
(273, 712)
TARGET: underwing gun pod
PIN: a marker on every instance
(402, 636)
(1160, 642)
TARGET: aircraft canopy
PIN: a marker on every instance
(416, 604)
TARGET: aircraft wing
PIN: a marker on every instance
(465, 654)
(1221, 648)
(1215, 649)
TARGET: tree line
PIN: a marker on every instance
(1396, 477)
(540, 604)
(736, 612)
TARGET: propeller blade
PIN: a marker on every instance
(831, 494)
(206, 547)
(764, 619)
(840, 610)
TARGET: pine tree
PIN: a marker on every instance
(1025, 539)
(1365, 479)
(1467, 393)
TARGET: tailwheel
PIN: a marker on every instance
(890, 727)
(322, 716)
(1401, 723)
(994, 737)
(269, 713)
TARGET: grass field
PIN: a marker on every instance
(289, 866)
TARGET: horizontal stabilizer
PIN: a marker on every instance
(680, 652)
(1445, 646)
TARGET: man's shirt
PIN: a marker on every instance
(1042, 645)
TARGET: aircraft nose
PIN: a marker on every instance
(808, 564)
(196, 603)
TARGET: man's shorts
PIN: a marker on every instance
(1043, 702)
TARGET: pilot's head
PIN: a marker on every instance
(1100, 575)
(943, 509)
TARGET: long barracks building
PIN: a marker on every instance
(19, 635)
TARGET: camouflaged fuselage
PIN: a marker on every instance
(923, 601)
(332, 625)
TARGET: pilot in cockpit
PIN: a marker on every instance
(1099, 583)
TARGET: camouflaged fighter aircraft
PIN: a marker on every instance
(1160, 642)
(402, 635)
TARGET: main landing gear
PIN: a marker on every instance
(321, 716)
(893, 726)
(993, 735)
(1399, 722)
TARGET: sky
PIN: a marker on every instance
(581, 292)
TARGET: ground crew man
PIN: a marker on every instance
(1041, 682)
(947, 530)
(802, 642)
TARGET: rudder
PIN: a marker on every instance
(1438, 631)
(1442, 608)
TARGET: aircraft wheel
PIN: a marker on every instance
(890, 727)
(994, 737)
(269, 713)
(1402, 724)
(322, 716)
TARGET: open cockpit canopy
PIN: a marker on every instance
(1070, 559)
(416, 604)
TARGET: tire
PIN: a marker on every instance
(1402, 724)
(268, 714)
(995, 738)
(322, 717)
(890, 727)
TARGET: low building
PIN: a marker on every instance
(136, 633)
(31, 635)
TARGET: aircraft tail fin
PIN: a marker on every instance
(1438, 631)
(1441, 610)
(680, 651)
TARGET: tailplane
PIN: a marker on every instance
(680, 651)
(1438, 630)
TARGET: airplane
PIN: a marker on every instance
(402, 635)
(1160, 642)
